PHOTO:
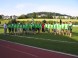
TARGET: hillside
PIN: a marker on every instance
(49, 15)
(45, 14)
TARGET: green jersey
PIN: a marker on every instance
(70, 26)
(37, 25)
(63, 26)
(49, 25)
(66, 26)
(54, 26)
(33, 25)
(26, 25)
(46, 25)
(23, 25)
(20, 26)
(30, 26)
(40, 26)
(12, 25)
(15, 25)
(59, 26)
(9, 25)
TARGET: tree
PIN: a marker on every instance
(22, 17)
(77, 17)
(0, 16)
(44, 21)
(13, 21)
(49, 15)
(34, 15)
(60, 21)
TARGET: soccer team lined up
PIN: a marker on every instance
(64, 28)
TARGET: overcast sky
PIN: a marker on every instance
(18, 7)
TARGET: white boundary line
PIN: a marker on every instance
(48, 39)
(42, 48)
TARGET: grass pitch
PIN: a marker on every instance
(37, 40)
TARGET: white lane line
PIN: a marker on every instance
(48, 39)
(42, 49)
(20, 51)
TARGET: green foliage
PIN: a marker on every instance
(44, 21)
(13, 21)
(75, 23)
(34, 15)
(23, 17)
(0, 16)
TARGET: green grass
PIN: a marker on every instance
(47, 44)
(4, 21)
(1, 30)
(75, 33)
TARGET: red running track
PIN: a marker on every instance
(13, 50)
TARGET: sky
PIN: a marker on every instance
(19, 7)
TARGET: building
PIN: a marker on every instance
(6, 17)
(42, 15)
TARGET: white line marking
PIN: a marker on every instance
(42, 49)
(19, 51)
(48, 39)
